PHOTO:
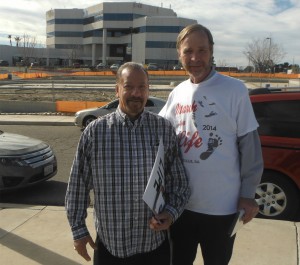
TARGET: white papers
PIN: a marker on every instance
(237, 223)
(153, 195)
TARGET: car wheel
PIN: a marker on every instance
(87, 120)
(277, 197)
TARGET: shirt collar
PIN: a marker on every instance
(124, 119)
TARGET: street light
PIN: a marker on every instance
(249, 68)
(131, 32)
(269, 63)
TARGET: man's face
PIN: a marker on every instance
(195, 54)
(133, 92)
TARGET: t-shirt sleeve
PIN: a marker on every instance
(246, 121)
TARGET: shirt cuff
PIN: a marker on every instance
(80, 231)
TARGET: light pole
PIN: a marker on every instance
(270, 43)
(131, 32)
(249, 61)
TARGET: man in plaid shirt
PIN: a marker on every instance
(114, 158)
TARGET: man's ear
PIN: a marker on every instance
(117, 90)
(178, 54)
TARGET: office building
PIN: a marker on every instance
(111, 32)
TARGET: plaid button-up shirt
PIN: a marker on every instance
(114, 159)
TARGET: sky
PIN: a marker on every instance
(233, 23)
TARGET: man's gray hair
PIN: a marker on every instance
(130, 65)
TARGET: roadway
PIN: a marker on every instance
(63, 140)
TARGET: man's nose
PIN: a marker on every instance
(136, 91)
(195, 56)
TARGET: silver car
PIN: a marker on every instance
(24, 161)
(84, 117)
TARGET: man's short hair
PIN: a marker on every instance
(132, 66)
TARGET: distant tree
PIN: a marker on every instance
(222, 63)
(28, 49)
(9, 36)
(295, 68)
(18, 40)
(74, 52)
(263, 54)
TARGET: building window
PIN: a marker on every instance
(93, 33)
(160, 44)
(88, 20)
(68, 46)
(117, 50)
(161, 29)
(67, 34)
(71, 21)
(118, 17)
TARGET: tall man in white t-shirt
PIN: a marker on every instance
(217, 134)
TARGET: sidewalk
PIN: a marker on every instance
(41, 235)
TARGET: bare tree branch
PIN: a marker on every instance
(264, 54)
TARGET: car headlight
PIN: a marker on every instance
(12, 161)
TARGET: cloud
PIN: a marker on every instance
(233, 23)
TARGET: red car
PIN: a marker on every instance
(278, 114)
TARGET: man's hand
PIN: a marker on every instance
(161, 221)
(80, 246)
(251, 208)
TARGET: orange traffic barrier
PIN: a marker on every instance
(3, 76)
(32, 75)
(74, 106)
(103, 73)
(153, 73)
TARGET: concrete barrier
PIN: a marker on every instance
(40, 107)
(26, 107)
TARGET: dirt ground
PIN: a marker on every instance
(36, 91)
(65, 95)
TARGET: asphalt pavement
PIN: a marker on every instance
(41, 234)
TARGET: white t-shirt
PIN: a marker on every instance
(208, 118)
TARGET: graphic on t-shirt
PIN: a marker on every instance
(213, 143)
(207, 105)
(212, 113)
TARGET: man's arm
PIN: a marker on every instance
(251, 162)
(80, 183)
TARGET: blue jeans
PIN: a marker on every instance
(210, 231)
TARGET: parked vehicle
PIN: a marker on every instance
(34, 64)
(4, 63)
(84, 117)
(278, 115)
(24, 161)
(115, 66)
(101, 66)
(152, 66)
(76, 65)
(177, 67)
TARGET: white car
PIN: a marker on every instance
(84, 117)
(114, 66)
(101, 66)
